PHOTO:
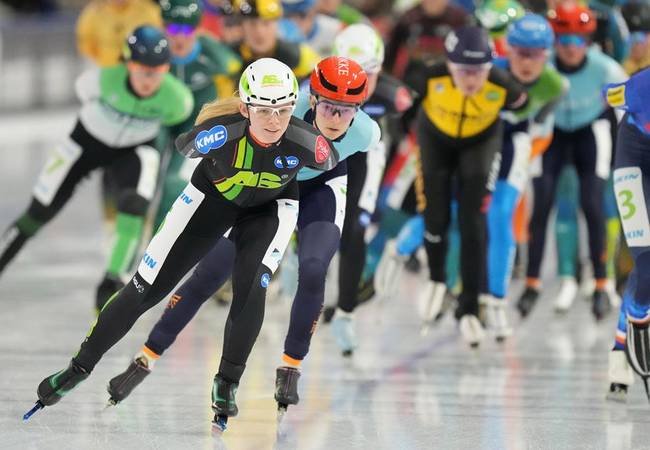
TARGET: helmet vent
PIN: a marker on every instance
(329, 86)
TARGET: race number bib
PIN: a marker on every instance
(628, 186)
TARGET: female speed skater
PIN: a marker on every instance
(338, 87)
(252, 150)
(123, 109)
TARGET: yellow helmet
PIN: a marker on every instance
(264, 9)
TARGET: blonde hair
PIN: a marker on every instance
(218, 108)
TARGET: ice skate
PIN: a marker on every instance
(343, 329)
(621, 376)
(601, 305)
(54, 387)
(472, 330)
(389, 271)
(121, 386)
(497, 318)
(527, 301)
(431, 300)
(286, 389)
(638, 349)
(223, 402)
(567, 294)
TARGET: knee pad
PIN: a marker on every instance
(131, 202)
(311, 274)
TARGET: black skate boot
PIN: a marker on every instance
(601, 304)
(109, 286)
(286, 388)
(54, 387)
(223, 402)
(328, 313)
(527, 301)
(121, 386)
(638, 350)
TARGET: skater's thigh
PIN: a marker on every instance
(191, 228)
(68, 163)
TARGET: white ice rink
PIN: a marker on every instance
(543, 389)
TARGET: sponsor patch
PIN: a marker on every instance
(265, 280)
(211, 139)
(322, 151)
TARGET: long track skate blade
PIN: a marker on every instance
(39, 405)
(219, 424)
(282, 411)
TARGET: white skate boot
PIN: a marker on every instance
(621, 376)
(431, 299)
(472, 330)
(497, 318)
(389, 271)
(343, 329)
(566, 295)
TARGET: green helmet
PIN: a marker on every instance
(496, 15)
(184, 12)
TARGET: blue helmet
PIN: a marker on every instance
(531, 31)
(148, 46)
(297, 6)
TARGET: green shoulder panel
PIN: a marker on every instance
(227, 61)
(551, 83)
(177, 99)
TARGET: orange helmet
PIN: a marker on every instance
(572, 19)
(339, 79)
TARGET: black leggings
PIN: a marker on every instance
(197, 219)
(353, 245)
(589, 149)
(135, 170)
(473, 164)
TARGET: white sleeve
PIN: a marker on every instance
(87, 85)
(375, 164)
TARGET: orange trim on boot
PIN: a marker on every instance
(601, 284)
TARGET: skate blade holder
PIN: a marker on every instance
(37, 406)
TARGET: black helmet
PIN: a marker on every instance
(637, 16)
(469, 45)
(148, 46)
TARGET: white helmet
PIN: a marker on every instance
(268, 82)
(362, 44)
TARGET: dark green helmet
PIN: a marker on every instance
(184, 12)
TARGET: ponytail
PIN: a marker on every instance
(217, 108)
